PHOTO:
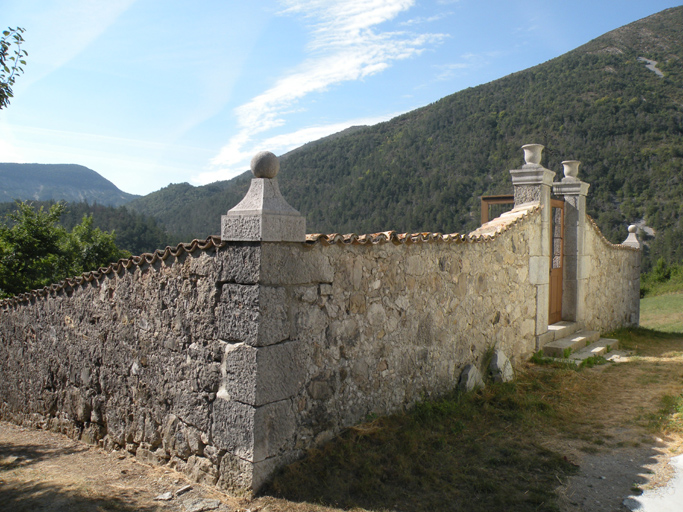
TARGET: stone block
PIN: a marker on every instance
(237, 325)
(539, 270)
(253, 433)
(263, 215)
(470, 379)
(542, 303)
(260, 375)
(240, 262)
(274, 321)
(291, 264)
(245, 478)
(267, 228)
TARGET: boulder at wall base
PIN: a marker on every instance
(470, 379)
(500, 368)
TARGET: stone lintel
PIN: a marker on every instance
(571, 187)
(531, 174)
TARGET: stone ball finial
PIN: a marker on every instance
(532, 153)
(571, 168)
(265, 165)
(632, 228)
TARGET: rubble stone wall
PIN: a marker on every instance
(131, 359)
(612, 289)
(229, 360)
(377, 327)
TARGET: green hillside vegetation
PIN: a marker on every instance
(192, 212)
(425, 170)
(133, 232)
(58, 182)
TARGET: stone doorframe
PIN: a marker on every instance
(555, 313)
(534, 183)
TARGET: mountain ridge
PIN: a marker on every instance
(68, 182)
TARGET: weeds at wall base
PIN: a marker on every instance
(464, 451)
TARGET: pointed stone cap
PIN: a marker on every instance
(263, 215)
(632, 239)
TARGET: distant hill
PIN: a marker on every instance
(425, 170)
(67, 182)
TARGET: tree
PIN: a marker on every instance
(11, 62)
(36, 251)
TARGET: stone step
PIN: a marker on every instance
(563, 329)
(598, 348)
(563, 347)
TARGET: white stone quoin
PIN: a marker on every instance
(263, 215)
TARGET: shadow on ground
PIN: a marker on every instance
(509, 447)
(38, 496)
(22, 489)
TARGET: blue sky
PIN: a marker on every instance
(152, 92)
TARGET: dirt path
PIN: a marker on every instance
(42, 471)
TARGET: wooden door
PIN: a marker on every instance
(556, 260)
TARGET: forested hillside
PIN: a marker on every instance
(58, 182)
(425, 170)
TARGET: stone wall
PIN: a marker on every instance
(612, 294)
(379, 325)
(228, 359)
(130, 357)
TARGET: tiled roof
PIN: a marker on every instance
(87, 277)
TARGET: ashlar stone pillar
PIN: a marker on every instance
(253, 417)
(576, 261)
(532, 184)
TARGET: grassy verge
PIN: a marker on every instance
(507, 447)
(663, 312)
(476, 452)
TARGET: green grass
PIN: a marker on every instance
(489, 450)
(663, 313)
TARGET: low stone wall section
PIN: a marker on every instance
(130, 357)
(612, 295)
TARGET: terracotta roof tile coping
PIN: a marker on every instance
(484, 234)
(607, 242)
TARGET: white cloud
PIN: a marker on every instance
(420, 20)
(346, 45)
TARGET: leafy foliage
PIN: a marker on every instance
(36, 251)
(11, 62)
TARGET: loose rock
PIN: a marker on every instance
(500, 368)
(200, 505)
(470, 379)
